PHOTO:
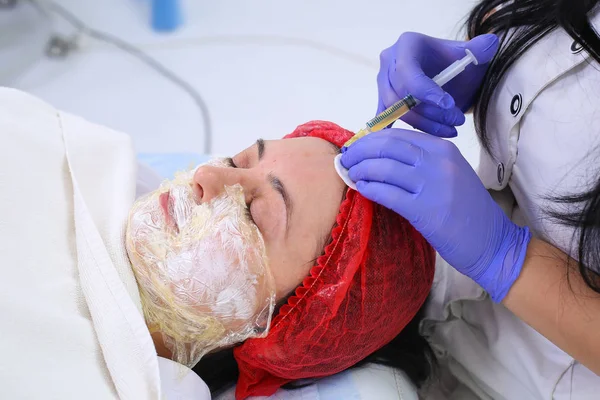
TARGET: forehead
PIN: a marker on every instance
(284, 152)
(305, 166)
(304, 147)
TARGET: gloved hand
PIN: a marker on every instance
(427, 181)
(407, 67)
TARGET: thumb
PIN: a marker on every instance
(484, 47)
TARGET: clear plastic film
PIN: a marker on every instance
(202, 269)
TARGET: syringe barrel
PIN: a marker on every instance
(454, 69)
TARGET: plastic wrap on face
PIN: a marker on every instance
(202, 269)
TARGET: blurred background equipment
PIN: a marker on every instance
(166, 15)
(60, 46)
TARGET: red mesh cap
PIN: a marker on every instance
(372, 279)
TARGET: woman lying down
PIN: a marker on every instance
(259, 270)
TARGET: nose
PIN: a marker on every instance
(210, 181)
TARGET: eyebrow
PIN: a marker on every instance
(335, 148)
(260, 147)
(277, 185)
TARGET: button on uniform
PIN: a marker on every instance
(515, 104)
(576, 47)
(500, 173)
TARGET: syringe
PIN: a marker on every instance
(398, 109)
(403, 106)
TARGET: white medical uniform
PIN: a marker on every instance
(543, 124)
(72, 325)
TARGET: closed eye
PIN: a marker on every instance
(249, 214)
(229, 161)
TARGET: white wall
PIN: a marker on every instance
(246, 58)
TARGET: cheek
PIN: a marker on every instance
(288, 272)
(270, 217)
(147, 236)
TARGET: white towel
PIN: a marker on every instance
(72, 326)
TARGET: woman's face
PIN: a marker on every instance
(293, 195)
(215, 248)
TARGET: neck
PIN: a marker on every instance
(161, 348)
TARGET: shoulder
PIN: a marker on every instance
(550, 86)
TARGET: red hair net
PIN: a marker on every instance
(372, 279)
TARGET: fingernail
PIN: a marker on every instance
(492, 41)
(453, 118)
(448, 133)
(446, 101)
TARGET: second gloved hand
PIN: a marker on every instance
(408, 66)
(427, 181)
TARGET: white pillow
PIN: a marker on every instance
(369, 382)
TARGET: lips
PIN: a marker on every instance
(166, 201)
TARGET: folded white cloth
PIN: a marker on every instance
(72, 324)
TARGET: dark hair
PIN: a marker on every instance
(408, 352)
(529, 21)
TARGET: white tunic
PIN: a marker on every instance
(543, 126)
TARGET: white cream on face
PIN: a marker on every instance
(201, 269)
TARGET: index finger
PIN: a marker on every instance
(408, 75)
(384, 144)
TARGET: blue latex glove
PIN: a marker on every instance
(407, 67)
(427, 181)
